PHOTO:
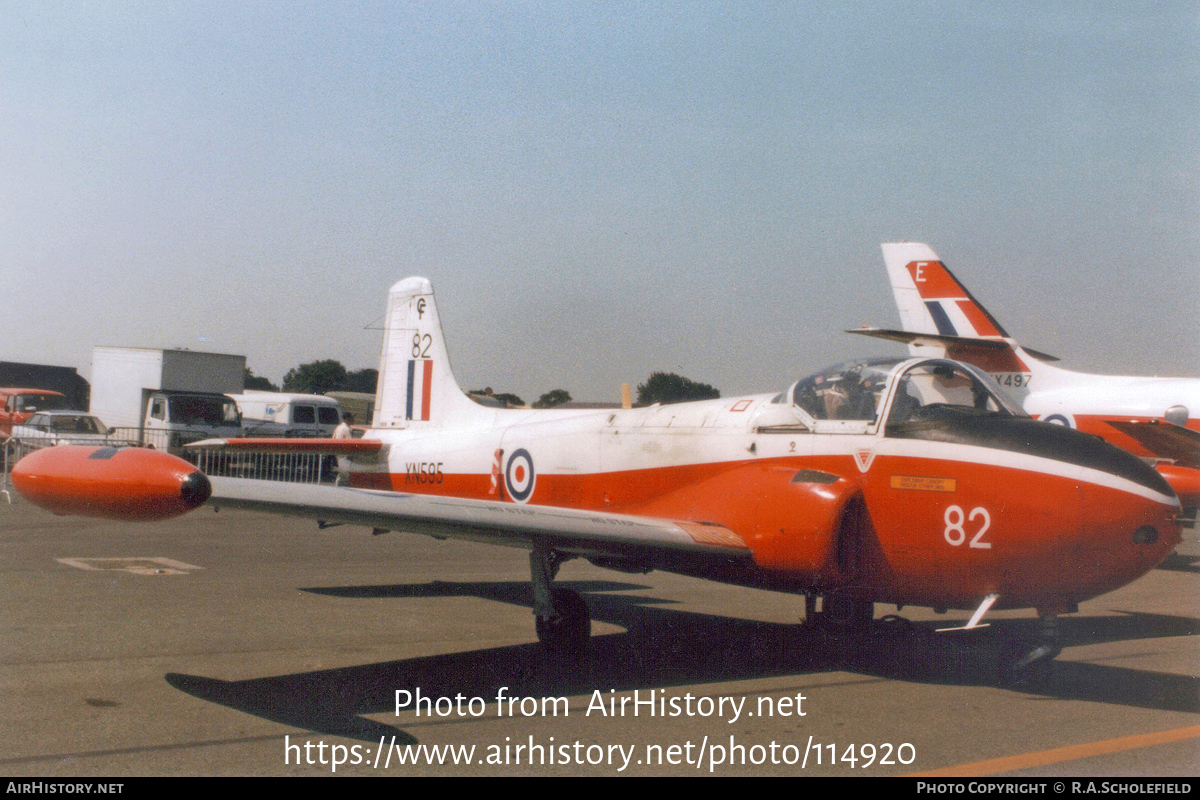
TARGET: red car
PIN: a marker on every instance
(18, 405)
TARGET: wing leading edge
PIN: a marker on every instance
(277, 445)
(647, 541)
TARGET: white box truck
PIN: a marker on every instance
(167, 398)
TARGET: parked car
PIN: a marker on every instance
(47, 428)
(18, 405)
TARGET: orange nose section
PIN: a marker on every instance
(114, 483)
(1124, 537)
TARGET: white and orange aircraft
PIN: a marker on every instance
(1156, 418)
(902, 481)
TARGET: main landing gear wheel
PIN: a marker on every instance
(562, 620)
(568, 631)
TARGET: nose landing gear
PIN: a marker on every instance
(1031, 662)
(844, 614)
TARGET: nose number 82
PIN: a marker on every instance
(957, 522)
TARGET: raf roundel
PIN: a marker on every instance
(519, 476)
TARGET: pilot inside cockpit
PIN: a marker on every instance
(855, 390)
(850, 391)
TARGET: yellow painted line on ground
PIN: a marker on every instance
(1060, 754)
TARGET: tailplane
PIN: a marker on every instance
(416, 386)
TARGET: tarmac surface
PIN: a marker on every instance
(244, 644)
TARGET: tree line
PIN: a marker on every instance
(329, 375)
(318, 377)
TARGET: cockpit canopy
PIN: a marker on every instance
(925, 389)
(850, 390)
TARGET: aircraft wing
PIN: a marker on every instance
(267, 444)
(1164, 439)
(144, 484)
(642, 541)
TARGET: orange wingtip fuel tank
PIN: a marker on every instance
(127, 483)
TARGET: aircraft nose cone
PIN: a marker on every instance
(1124, 535)
(195, 489)
(1127, 521)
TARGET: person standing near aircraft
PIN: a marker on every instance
(343, 431)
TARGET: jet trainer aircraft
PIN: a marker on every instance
(1157, 418)
(906, 481)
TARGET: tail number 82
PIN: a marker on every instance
(956, 526)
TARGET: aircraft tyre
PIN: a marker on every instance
(569, 630)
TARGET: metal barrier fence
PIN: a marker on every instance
(7, 454)
(285, 467)
(290, 467)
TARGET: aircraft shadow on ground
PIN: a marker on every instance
(1180, 563)
(664, 647)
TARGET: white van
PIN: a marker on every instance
(288, 414)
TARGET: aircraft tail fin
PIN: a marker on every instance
(416, 386)
(930, 299)
(940, 317)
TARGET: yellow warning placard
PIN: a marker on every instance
(923, 483)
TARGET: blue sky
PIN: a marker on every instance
(597, 190)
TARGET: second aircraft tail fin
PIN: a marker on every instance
(939, 316)
(930, 299)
